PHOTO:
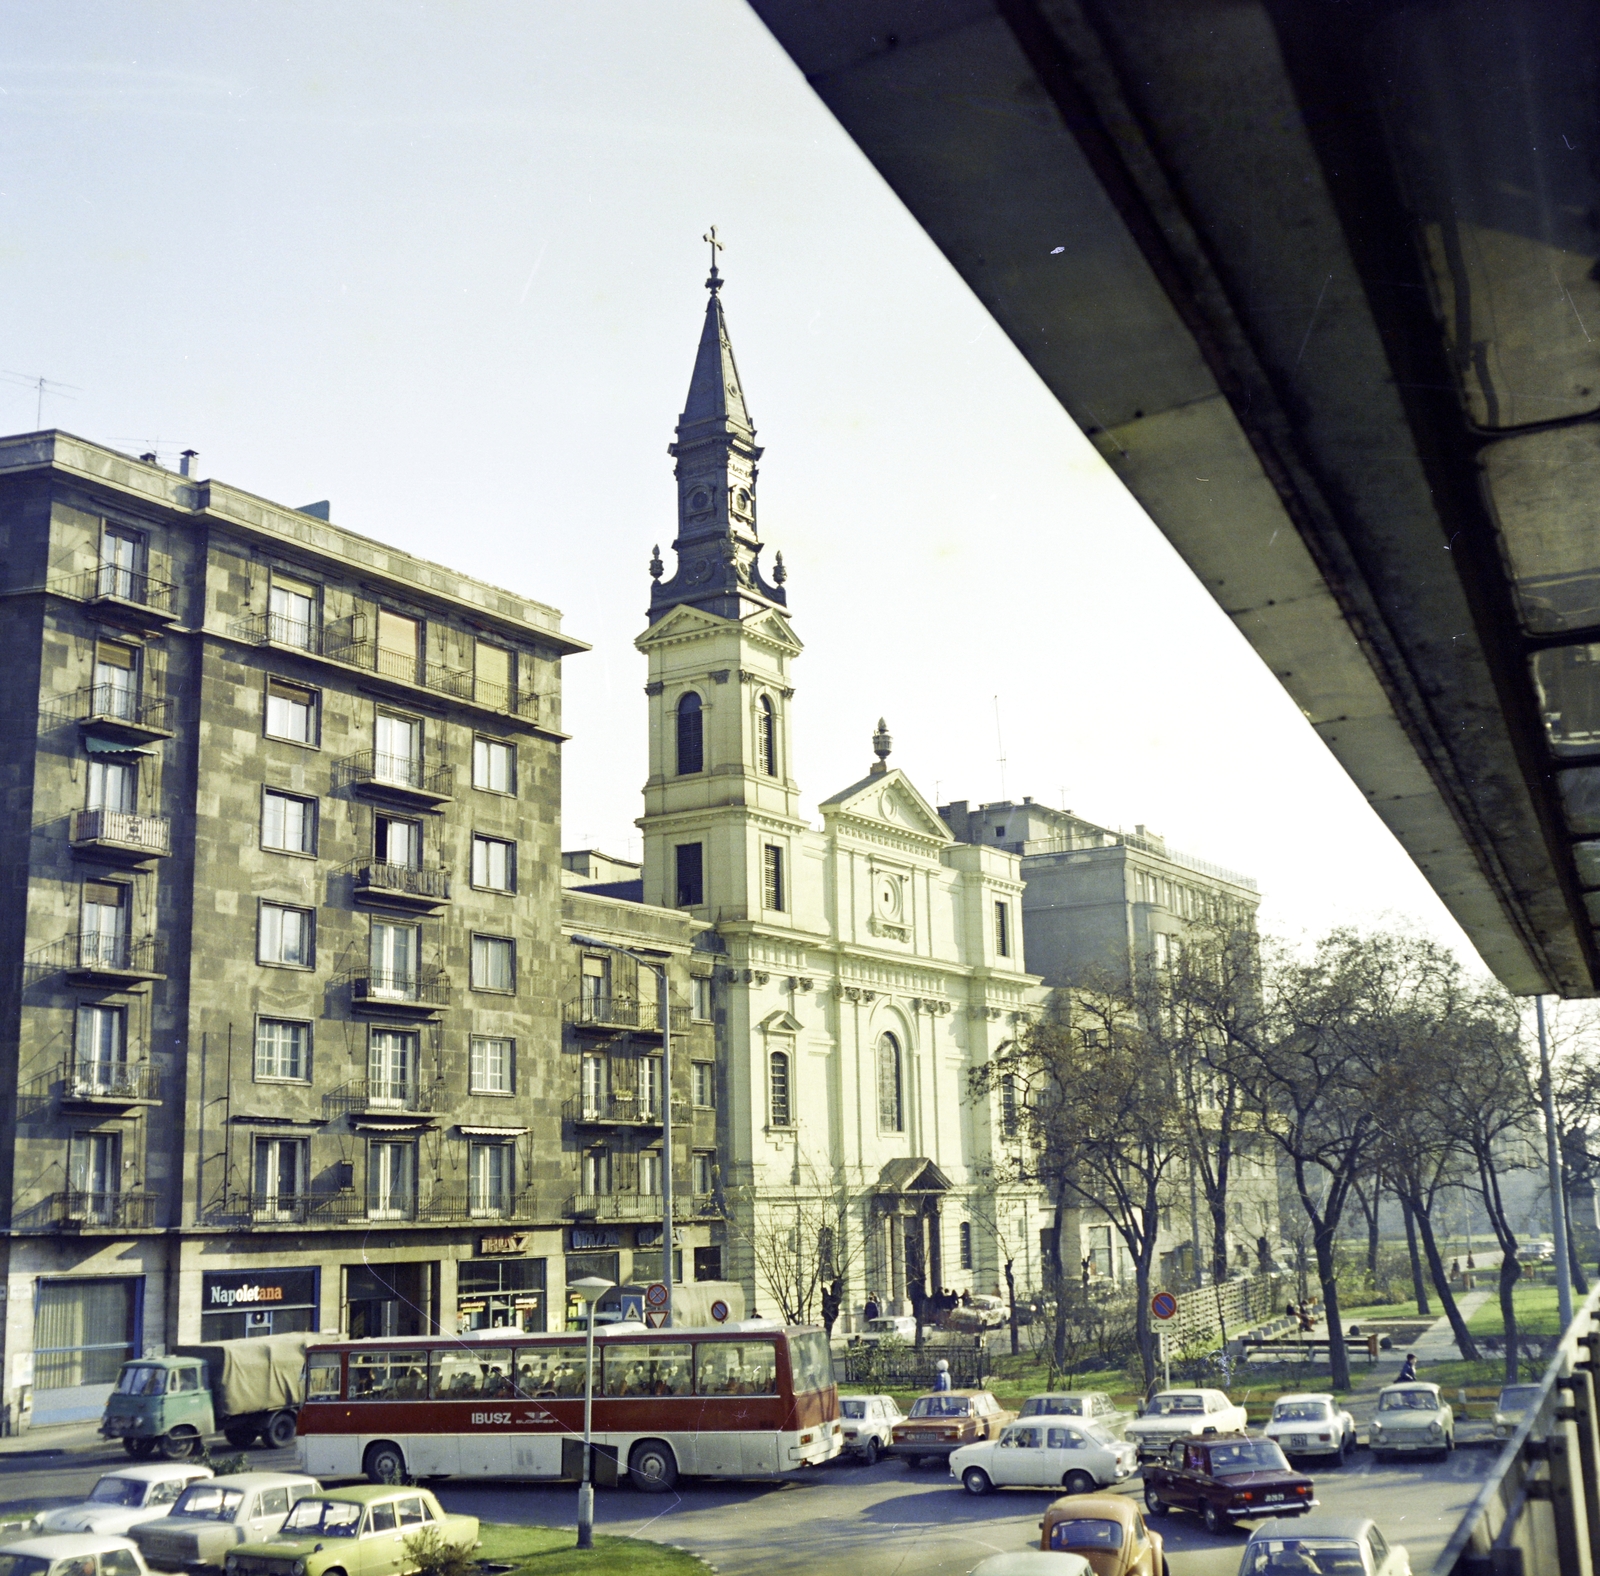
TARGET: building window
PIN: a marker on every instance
(116, 681)
(701, 1176)
(1008, 1105)
(291, 615)
(650, 1171)
(597, 1171)
(891, 1115)
(766, 738)
(494, 963)
(1002, 929)
(288, 823)
(492, 676)
(493, 1065)
(594, 988)
(291, 712)
(494, 766)
(703, 1083)
(779, 1111)
(595, 1073)
(691, 735)
(397, 841)
(113, 785)
(964, 1239)
(392, 1067)
(489, 1179)
(103, 927)
(700, 997)
(279, 1177)
(691, 881)
(394, 955)
(398, 641)
(772, 877)
(121, 564)
(650, 1086)
(94, 1173)
(1100, 1251)
(999, 831)
(397, 750)
(101, 1050)
(494, 864)
(285, 936)
(283, 1049)
(391, 1180)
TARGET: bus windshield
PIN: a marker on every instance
(810, 1362)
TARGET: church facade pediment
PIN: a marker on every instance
(887, 805)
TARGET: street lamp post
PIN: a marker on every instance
(591, 1288)
(1558, 1198)
(664, 1020)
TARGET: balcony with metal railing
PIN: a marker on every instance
(109, 1084)
(122, 711)
(121, 591)
(98, 957)
(615, 1206)
(421, 888)
(609, 1010)
(423, 991)
(75, 1209)
(406, 779)
(410, 1096)
(620, 1110)
(339, 1207)
(121, 836)
(277, 629)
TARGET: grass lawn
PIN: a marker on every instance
(549, 1551)
(1536, 1312)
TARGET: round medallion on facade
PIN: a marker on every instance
(886, 806)
(887, 894)
(699, 501)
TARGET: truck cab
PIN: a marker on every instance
(160, 1403)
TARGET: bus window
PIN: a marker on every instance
(647, 1370)
(467, 1373)
(744, 1369)
(809, 1362)
(547, 1373)
(323, 1379)
(388, 1376)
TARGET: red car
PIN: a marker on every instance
(1226, 1477)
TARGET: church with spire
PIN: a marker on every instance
(864, 966)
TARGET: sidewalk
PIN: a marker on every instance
(53, 1441)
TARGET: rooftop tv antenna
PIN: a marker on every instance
(1000, 744)
(41, 387)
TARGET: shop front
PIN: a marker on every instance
(235, 1304)
(84, 1328)
(391, 1299)
(500, 1288)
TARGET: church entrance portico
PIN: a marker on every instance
(905, 1211)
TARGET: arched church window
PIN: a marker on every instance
(966, 1244)
(778, 1103)
(766, 738)
(1008, 1105)
(891, 1116)
(691, 735)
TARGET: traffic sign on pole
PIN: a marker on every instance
(1164, 1305)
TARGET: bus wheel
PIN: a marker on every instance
(652, 1467)
(279, 1432)
(384, 1463)
(180, 1443)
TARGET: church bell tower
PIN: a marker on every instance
(721, 817)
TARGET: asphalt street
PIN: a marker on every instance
(854, 1520)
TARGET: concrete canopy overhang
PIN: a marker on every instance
(1320, 283)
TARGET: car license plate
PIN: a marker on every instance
(1297, 1440)
(1273, 1499)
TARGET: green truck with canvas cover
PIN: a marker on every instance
(247, 1390)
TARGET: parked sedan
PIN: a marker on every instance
(365, 1531)
(123, 1498)
(218, 1514)
(1311, 1425)
(1412, 1418)
(1032, 1562)
(944, 1420)
(1512, 1407)
(1043, 1453)
(71, 1554)
(1108, 1531)
(1093, 1406)
(1180, 1414)
(1349, 1545)
(1226, 1479)
(868, 1423)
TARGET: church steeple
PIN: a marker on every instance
(718, 542)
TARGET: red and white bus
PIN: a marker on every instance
(755, 1398)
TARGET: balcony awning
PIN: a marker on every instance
(95, 745)
(490, 1132)
(390, 1124)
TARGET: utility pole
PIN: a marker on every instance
(1558, 1195)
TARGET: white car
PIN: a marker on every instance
(868, 1423)
(1512, 1407)
(1033, 1562)
(1412, 1418)
(1180, 1414)
(122, 1498)
(887, 1326)
(1311, 1424)
(1045, 1453)
(72, 1554)
(992, 1311)
(1350, 1544)
(1093, 1406)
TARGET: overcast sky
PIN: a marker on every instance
(441, 264)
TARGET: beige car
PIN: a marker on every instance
(1412, 1419)
(942, 1421)
(218, 1514)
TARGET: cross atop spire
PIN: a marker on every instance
(714, 283)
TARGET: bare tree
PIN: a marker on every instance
(801, 1246)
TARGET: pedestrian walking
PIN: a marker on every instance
(871, 1309)
(941, 1380)
(1408, 1369)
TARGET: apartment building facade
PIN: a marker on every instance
(285, 1006)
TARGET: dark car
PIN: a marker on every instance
(1226, 1478)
